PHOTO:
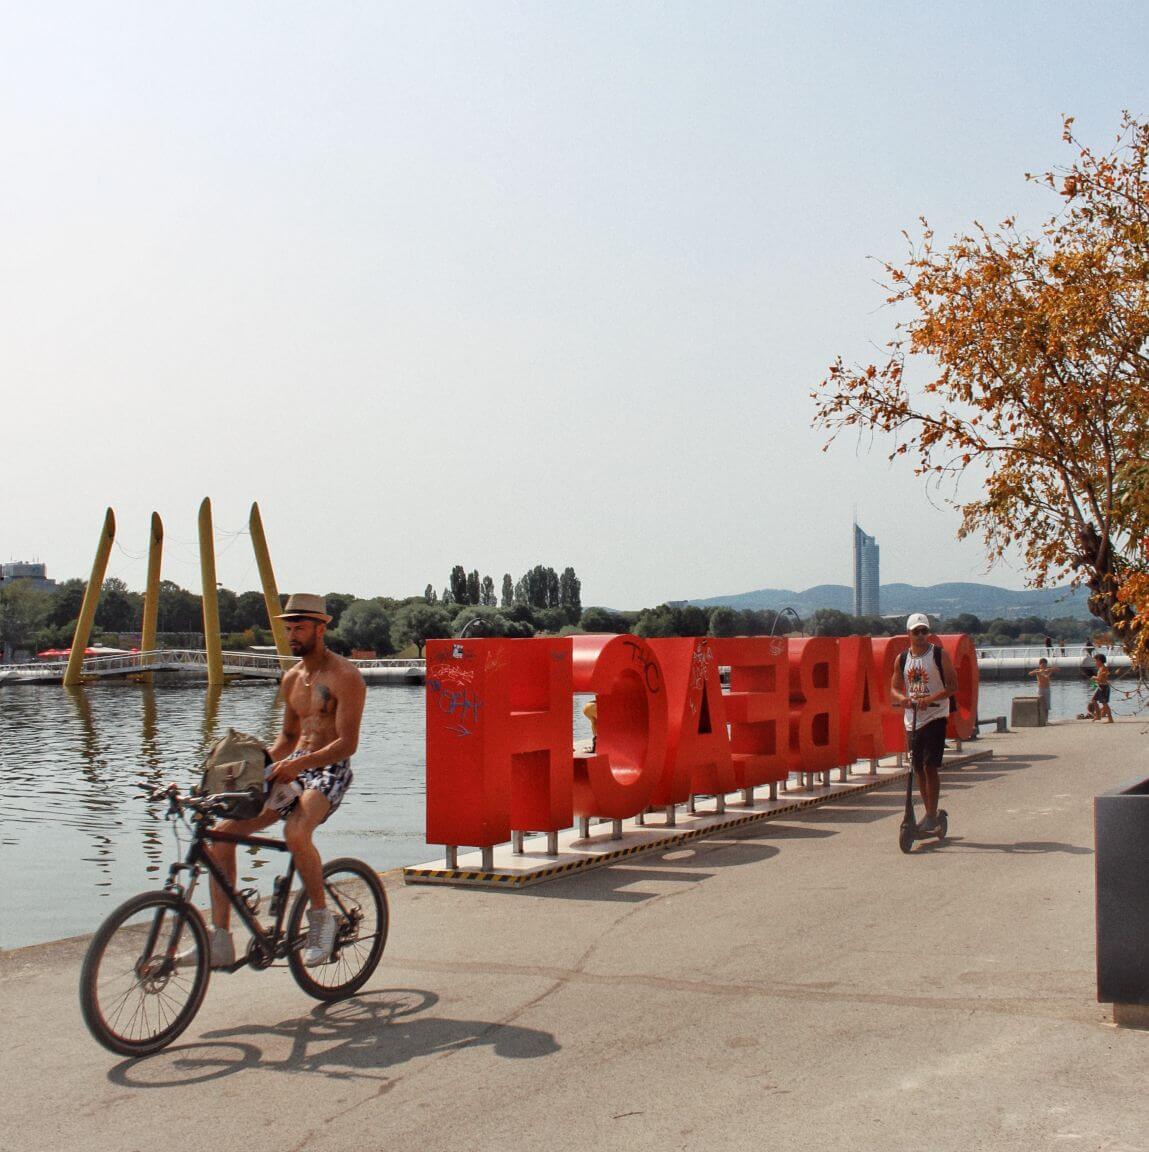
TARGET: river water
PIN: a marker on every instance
(76, 837)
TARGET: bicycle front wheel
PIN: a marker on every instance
(357, 899)
(137, 992)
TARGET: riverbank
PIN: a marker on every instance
(799, 983)
(74, 821)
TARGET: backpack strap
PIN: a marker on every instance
(941, 669)
(937, 659)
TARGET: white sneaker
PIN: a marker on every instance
(320, 937)
(222, 950)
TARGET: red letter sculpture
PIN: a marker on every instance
(887, 649)
(619, 779)
(963, 723)
(698, 748)
(860, 698)
(814, 704)
(499, 733)
(757, 707)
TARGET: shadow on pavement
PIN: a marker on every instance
(1020, 760)
(1020, 847)
(355, 1039)
(876, 809)
(686, 863)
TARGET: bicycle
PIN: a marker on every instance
(138, 992)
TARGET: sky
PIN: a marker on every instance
(499, 284)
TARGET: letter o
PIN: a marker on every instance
(624, 674)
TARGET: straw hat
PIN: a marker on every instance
(305, 606)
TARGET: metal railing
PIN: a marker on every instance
(1036, 651)
(174, 659)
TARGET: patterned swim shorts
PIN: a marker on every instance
(331, 781)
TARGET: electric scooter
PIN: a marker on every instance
(910, 829)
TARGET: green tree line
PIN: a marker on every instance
(34, 620)
(538, 587)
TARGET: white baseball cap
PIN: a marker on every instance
(917, 620)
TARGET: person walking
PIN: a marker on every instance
(1099, 704)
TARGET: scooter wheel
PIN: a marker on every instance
(905, 838)
(943, 824)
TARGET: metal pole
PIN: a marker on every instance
(91, 600)
(152, 597)
(211, 640)
(270, 591)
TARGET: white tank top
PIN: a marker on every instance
(924, 679)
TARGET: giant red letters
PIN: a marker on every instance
(757, 707)
(860, 700)
(886, 653)
(499, 722)
(814, 720)
(961, 651)
(620, 777)
(499, 730)
(698, 750)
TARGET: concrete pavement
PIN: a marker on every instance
(799, 983)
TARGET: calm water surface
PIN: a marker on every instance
(77, 837)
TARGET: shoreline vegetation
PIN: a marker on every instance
(541, 602)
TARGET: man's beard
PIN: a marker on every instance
(301, 648)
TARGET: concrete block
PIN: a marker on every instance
(1027, 712)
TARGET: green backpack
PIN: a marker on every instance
(236, 762)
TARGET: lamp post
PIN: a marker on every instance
(778, 616)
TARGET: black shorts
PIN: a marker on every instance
(927, 744)
(1101, 696)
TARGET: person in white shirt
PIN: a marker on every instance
(923, 682)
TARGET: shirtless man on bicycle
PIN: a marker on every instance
(309, 774)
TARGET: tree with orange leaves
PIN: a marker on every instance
(1036, 350)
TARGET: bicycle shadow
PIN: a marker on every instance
(356, 1039)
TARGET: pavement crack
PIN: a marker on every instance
(1018, 1006)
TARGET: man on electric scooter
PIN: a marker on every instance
(923, 682)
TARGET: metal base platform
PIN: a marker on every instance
(595, 844)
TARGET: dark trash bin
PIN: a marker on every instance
(1121, 835)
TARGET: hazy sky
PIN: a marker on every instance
(497, 284)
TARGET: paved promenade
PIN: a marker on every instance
(796, 984)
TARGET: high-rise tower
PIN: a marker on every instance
(866, 577)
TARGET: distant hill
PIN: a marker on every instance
(985, 600)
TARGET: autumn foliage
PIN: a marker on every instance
(1024, 366)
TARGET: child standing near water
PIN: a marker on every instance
(1044, 674)
(1099, 705)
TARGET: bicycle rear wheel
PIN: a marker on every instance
(134, 997)
(356, 897)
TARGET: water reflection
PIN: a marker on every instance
(76, 825)
(211, 715)
(149, 734)
(90, 748)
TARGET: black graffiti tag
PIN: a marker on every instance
(640, 654)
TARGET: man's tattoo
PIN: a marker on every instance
(326, 700)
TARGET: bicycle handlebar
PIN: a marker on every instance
(215, 802)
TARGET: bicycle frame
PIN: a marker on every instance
(135, 1000)
(266, 945)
